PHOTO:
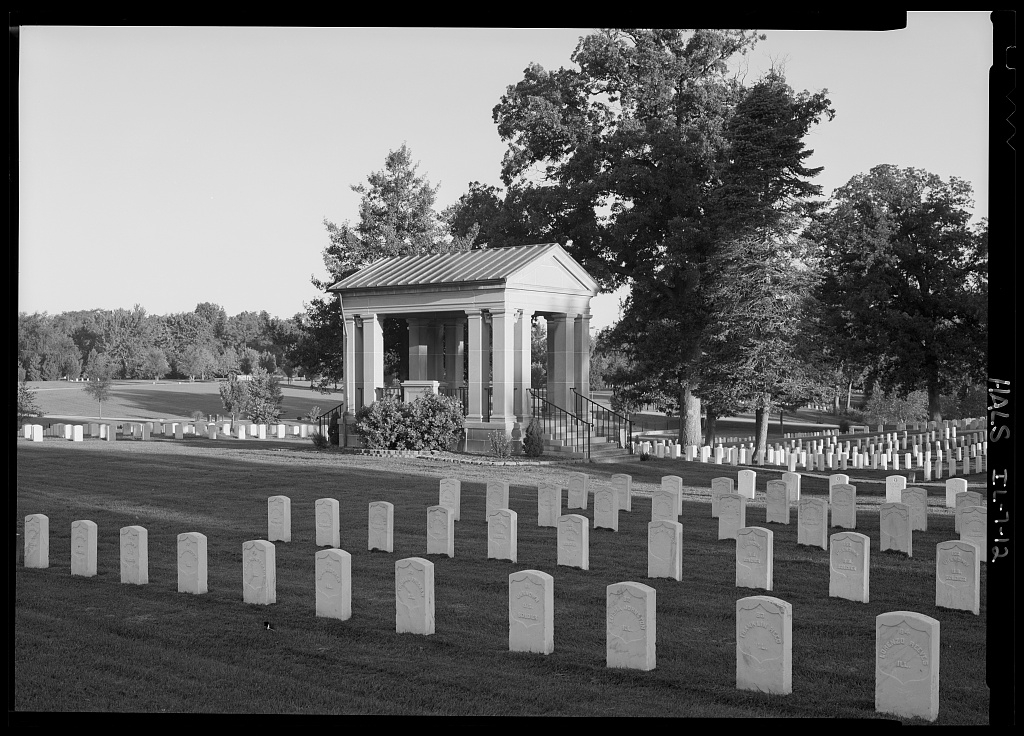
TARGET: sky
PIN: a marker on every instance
(168, 166)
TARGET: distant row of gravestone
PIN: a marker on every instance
(631, 608)
(178, 430)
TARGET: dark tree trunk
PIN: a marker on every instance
(761, 432)
(710, 427)
(689, 416)
(849, 397)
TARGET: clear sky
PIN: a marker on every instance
(169, 166)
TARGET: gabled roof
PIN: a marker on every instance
(487, 265)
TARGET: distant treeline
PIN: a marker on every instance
(128, 343)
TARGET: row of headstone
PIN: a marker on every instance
(145, 430)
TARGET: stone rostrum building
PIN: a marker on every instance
(480, 303)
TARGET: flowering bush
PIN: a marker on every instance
(429, 423)
(501, 444)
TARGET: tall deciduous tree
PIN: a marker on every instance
(637, 153)
(906, 279)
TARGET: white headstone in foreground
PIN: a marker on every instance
(414, 596)
(503, 535)
(953, 487)
(450, 495)
(192, 571)
(812, 522)
(549, 504)
(497, 497)
(777, 502)
(328, 527)
(531, 612)
(894, 485)
(381, 526)
(631, 626)
(623, 485)
(37, 541)
(958, 576)
(664, 550)
(849, 570)
(134, 555)
(732, 514)
(334, 584)
(259, 572)
(907, 665)
(279, 519)
(574, 541)
(754, 557)
(844, 505)
(719, 486)
(606, 508)
(746, 481)
(894, 528)
(764, 645)
(441, 531)
(579, 487)
(83, 548)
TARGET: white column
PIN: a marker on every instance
(522, 364)
(581, 354)
(503, 326)
(353, 364)
(435, 355)
(477, 366)
(561, 347)
(454, 350)
(373, 357)
(417, 349)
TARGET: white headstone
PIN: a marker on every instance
(792, 481)
(964, 500)
(675, 484)
(777, 502)
(414, 596)
(450, 495)
(907, 665)
(974, 525)
(381, 526)
(578, 491)
(76, 433)
(503, 535)
(134, 555)
(606, 508)
(441, 531)
(849, 568)
(812, 522)
(953, 487)
(664, 504)
(631, 626)
(894, 485)
(497, 497)
(764, 645)
(549, 504)
(328, 523)
(574, 541)
(664, 550)
(279, 519)
(334, 584)
(754, 557)
(261, 431)
(746, 483)
(958, 576)
(844, 505)
(259, 572)
(37, 541)
(720, 486)
(83, 548)
(531, 612)
(192, 570)
(623, 485)
(732, 514)
(836, 479)
(241, 431)
(894, 528)
(917, 500)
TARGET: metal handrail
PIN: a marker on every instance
(604, 419)
(557, 421)
(324, 420)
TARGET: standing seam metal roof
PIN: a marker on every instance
(487, 264)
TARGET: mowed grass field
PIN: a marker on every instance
(163, 400)
(94, 644)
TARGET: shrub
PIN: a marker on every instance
(429, 423)
(533, 440)
(197, 416)
(319, 441)
(645, 456)
(501, 444)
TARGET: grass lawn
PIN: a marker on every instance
(93, 644)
